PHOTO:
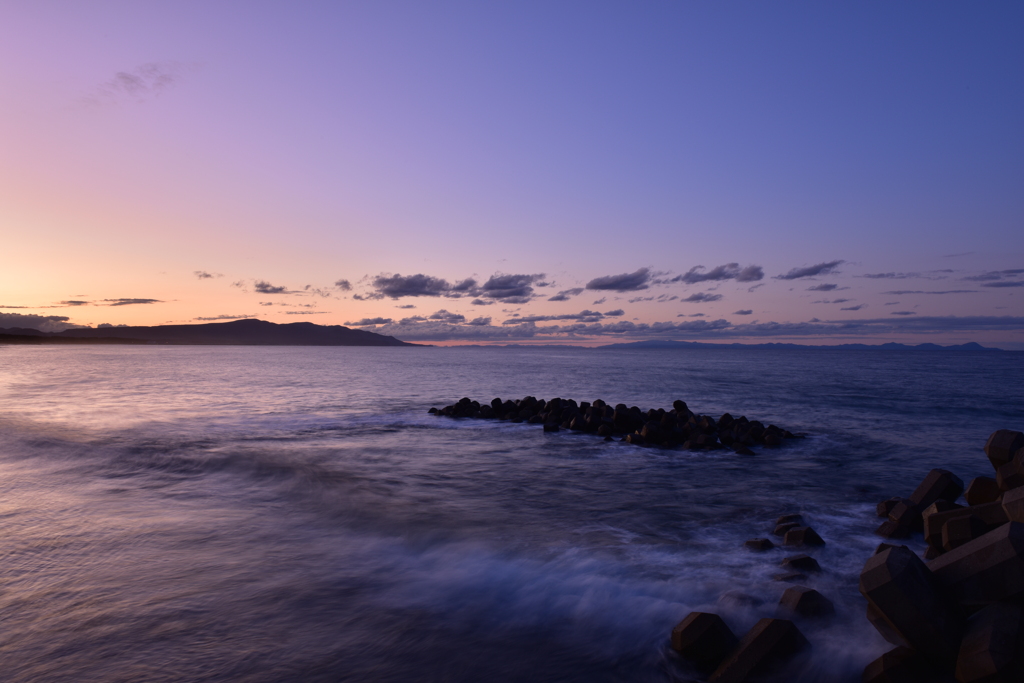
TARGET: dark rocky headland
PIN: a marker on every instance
(677, 427)
(249, 332)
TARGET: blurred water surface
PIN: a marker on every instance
(284, 514)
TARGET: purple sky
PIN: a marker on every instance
(811, 172)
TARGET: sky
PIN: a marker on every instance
(518, 172)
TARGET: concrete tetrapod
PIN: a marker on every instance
(986, 570)
(991, 514)
(991, 650)
(981, 490)
(765, 649)
(703, 639)
(1013, 505)
(1002, 445)
(938, 485)
(802, 535)
(902, 665)
(902, 592)
(805, 602)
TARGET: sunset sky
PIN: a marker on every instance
(522, 172)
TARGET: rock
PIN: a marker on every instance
(992, 514)
(931, 552)
(759, 544)
(882, 546)
(550, 427)
(938, 485)
(704, 640)
(604, 430)
(806, 602)
(743, 450)
(635, 439)
(902, 665)
(801, 563)
(890, 529)
(908, 598)
(790, 577)
(981, 490)
(797, 519)
(991, 650)
(885, 507)
(1011, 475)
(1013, 504)
(766, 648)
(1002, 445)
(802, 535)
(432, 411)
(986, 570)
(959, 530)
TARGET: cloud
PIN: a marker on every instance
(225, 317)
(370, 321)
(890, 276)
(626, 282)
(701, 297)
(659, 298)
(822, 288)
(264, 287)
(21, 306)
(566, 293)
(467, 285)
(397, 286)
(586, 316)
(903, 313)
(853, 308)
(729, 271)
(743, 311)
(406, 306)
(70, 302)
(317, 291)
(481, 302)
(130, 302)
(43, 323)
(447, 317)
(513, 289)
(600, 301)
(613, 314)
(901, 292)
(203, 275)
(479, 322)
(143, 83)
(811, 271)
(1004, 283)
(306, 312)
(343, 285)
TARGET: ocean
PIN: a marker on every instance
(186, 513)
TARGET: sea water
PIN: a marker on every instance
(294, 514)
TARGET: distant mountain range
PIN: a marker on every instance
(890, 346)
(238, 333)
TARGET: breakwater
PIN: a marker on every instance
(675, 427)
